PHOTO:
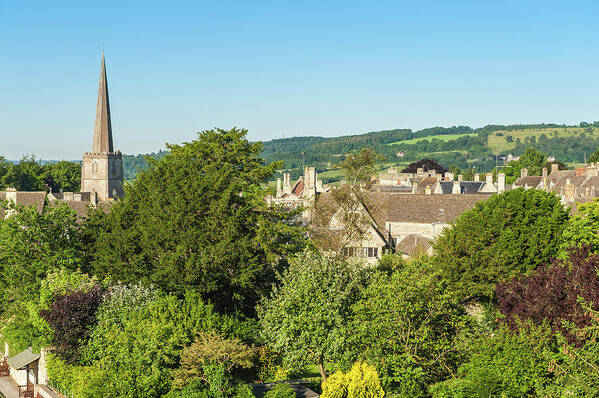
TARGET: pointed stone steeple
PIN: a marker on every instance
(102, 128)
(102, 168)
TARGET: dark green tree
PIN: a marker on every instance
(196, 219)
(63, 175)
(507, 235)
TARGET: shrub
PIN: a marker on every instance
(552, 293)
(335, 386)
(281, 390)
(363, 382)
(71, 317)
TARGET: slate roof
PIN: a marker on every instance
(467, 187)
(22, 359)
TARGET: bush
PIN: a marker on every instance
(508, 364)
(335, 386)
(281, 390)
(362, 381)
(552, 294)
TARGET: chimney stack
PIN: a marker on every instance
(523, 173)
(554, 168)
(460, 177)
(279, 188)
(544, 172)
(456, 189)
(501, 182)
(476, 177)
(489, 178)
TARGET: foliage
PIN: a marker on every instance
(71, 316)
(206, 227)
(307, 315)
(31, 175)
(32, 245)
(551, 294)
(358, 167)
(335, 386)
(139, 336)
(209, 349)
(362, 381)
(427, 165)
(408, 326)
(504, 236)
(532, 159)
(582, 228)
(506, 364)
(594, 158)
(281, 390)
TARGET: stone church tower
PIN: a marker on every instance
(102, 169)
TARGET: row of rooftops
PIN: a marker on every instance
(78, 201)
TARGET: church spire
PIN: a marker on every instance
(102, 128)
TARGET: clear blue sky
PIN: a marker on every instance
(288, 68)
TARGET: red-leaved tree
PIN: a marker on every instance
(71, 317)
(552, 293)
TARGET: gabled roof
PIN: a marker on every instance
(411, 243)
(298, 187)
(529, 181)
(418, 208)
(22, 359)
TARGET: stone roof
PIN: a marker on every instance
(411, 243)
(22, 359)
(430, 181)
(529, 181)
(25, 198)
(417, 208)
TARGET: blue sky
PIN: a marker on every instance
(288, 68)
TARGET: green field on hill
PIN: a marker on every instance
(442, 137)
(498, 140)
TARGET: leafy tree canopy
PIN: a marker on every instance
(196, 219)
(308, 315)
(504, 236)
(427, 165)
(407, 325)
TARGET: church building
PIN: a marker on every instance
(101, 169)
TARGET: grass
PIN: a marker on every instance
(499, 143)
(444, 138)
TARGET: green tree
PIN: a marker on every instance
(212, 349)
(407, 324)
(594, 158)
(63, 175)
(307, 316)
(27, 175)
(507, 364)
(196, 220)
(582, 228)
(504, 236)
(532, 159)
(32, 244)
